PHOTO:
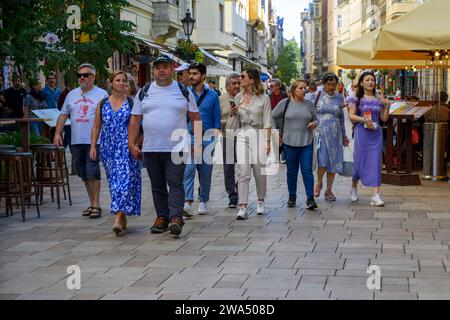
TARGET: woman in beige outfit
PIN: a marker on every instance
(253, 108)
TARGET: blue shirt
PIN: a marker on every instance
(209, 109)
(51, 96)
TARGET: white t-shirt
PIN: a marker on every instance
(81, 108)
(164, 112)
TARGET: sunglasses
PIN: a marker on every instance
(84, 75)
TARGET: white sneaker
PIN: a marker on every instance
(202, 208)
(354, 195)
(376, 201)
(242, 214)
(260, 208)
(187, 210)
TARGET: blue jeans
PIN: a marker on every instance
(204, 172)
(299, 157)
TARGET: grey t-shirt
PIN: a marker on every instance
(297, 118)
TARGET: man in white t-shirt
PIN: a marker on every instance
(163, 112)
(81, 104)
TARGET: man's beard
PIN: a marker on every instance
(83, 85)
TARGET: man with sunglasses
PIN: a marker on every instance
(81, 104)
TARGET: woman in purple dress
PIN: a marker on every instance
(365, 111)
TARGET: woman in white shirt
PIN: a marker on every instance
(253, 138)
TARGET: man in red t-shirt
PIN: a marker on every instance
(276, 94)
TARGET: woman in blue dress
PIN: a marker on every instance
(123, 172)
(331, 135)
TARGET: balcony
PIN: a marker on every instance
(342, 2)
(166, 20)
(397, 8)
(214, 39)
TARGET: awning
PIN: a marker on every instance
(413, 35)
(217, 71)
(216, 61)
(264, 76)
(143, 40)
(356, 55)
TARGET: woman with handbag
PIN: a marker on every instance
(298, 122)
(331, 135)
(253, 138)
(366, 111)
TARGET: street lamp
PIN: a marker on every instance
(188, 25)
(249, 53)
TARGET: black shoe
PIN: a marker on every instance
(176, 225)
(291, 202)
(232, 205)
(311, 204)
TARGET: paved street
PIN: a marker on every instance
(287, 254)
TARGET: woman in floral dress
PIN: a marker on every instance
(331, 135)
(123, 172)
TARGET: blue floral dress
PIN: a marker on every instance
(123, 172)
(331, 132)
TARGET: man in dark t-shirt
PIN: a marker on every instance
(14, 97)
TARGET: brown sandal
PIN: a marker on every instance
(96, 212)
(86, 212)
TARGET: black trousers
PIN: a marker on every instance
(163, 173)
(228, 170)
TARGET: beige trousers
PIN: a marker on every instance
(251, 154)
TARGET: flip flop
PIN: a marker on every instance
(330, 197)
(96, 212)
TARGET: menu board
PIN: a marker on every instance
(403, 108)
(51, 116)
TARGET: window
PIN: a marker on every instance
(339, 21)
(221, 18)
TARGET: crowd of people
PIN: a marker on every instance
(172, 128)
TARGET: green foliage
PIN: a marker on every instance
(25, 24)
(288, 62)
(189, 50)
(15, 138)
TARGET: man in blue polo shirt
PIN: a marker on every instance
(209, 107)
(51, 92)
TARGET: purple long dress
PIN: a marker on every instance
(368, 145)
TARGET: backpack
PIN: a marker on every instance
(144, 90)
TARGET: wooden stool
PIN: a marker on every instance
(51, 171)
(17, 180)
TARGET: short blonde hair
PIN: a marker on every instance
(294, 86)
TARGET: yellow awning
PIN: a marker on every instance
(425, 28)
(356, 55)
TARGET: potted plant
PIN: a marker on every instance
(188, 51)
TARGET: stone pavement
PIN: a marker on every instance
(286, 254)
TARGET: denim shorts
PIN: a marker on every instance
(87, 169)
